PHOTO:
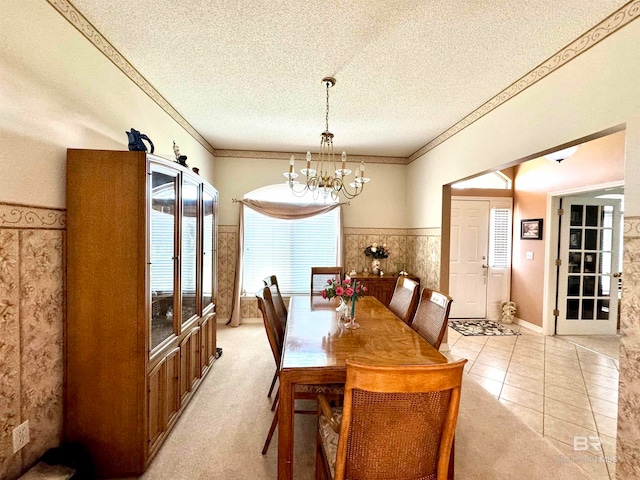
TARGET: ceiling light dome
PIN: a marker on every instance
(561, 155)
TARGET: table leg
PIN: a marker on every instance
(285, 427)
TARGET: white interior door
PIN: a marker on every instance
(589, 256)
(468, 267)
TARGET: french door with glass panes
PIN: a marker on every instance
(589, 257)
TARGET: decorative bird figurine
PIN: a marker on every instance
(181, 159)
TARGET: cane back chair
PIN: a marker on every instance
(430, 320)
(405, 299)
(397, 422)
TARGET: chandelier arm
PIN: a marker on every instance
(321, 180)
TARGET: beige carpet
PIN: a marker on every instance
(221, 433)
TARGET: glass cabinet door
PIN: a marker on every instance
(208, 251)
(189, 244)
(162, 250)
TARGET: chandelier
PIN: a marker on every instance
(326, 178)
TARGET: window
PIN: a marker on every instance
(499, 238)
(496, 180)
(288, 249)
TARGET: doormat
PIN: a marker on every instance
(480, 327)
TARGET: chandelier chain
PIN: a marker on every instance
(326, 118)
(319, 179)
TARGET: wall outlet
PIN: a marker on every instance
(20, 436)
(529, 255)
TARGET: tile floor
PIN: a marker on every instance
(560, 389)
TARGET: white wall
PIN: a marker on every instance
(381, 205)
(57, 91)
(596, 91)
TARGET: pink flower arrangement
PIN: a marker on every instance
(347, 289)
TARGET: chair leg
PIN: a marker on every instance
(319, 459)
(274, 424)
(275, 400)
(273, 383)
(322, 470)
(450, 473)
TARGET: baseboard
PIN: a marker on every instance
(444, 347)
(529, 325)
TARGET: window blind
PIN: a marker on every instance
(288, 249)
(162, 251)
(499, 243)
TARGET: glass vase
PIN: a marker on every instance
(375, 266)
(350, 319)
(342, 309)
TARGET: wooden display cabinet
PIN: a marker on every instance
(381, 287)
(141, 292)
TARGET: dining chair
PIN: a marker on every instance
(397, 422)
(320, 275)
(404, 300)
(281, 314)
(430, 320)
(275, 335)
(281, 309)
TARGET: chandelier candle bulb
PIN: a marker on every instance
(323, 180)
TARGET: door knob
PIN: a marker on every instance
(617, 275)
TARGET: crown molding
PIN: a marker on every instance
(614, 22)
(84, 26)
(301, 155)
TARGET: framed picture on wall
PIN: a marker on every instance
(531, 229)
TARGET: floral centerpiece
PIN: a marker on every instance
(376, 251)
(347, 290)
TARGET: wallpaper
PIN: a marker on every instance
(31, 321)
(416, 251)
(227, 249)
(32, 318)
(629, 393)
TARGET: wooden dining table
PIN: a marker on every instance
(317, 346)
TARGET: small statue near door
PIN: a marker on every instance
(508, 311)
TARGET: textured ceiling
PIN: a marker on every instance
(247, 74)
